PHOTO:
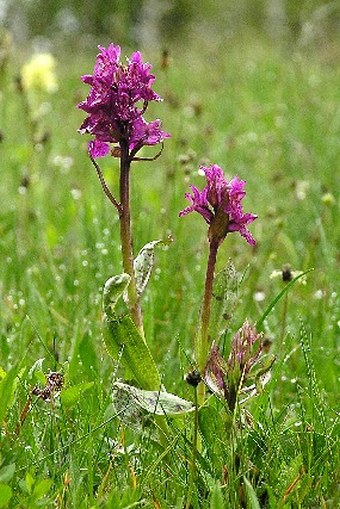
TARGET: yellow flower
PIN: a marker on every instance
(39, 73)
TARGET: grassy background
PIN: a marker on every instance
(267, 113)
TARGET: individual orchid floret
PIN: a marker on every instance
(246, 371)
(119, 96)
(219, 203)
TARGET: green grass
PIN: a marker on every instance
(274, 120)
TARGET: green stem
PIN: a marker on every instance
(193, 469)
(126, 236)
(202, 342)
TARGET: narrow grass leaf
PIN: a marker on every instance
(271, 306)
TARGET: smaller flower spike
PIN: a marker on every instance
(246, 348)
(119, 95)
(219, 203)
(246, 371)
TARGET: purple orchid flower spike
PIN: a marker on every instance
(219, 203)
(119, 95)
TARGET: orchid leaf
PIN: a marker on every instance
(225, 297)
(144, 262)
(134, 405)
(123, 340)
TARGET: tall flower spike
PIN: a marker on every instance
(219, 203)
(118, 98)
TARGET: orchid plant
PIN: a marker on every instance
(118, 99)
(219, 203)
(119, 96)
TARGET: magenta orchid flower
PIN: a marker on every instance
(219, 203)
(118, 98)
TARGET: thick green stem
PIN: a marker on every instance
(126, 236)
(202, 342)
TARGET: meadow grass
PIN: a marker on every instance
(273, 118)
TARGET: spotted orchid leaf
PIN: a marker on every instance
(144, 262)
(134, 405)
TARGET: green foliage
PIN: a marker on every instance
(7, 388)
(71, 395)
(136, 407)
(122, 338)
(268, 116)
(5, 494)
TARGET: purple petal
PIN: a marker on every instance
(98, 148)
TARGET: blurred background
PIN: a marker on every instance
(36, 24)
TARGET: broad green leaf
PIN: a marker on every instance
(37, 371)
(71, 395)
(134, 405)
(211, 425)
(122, 338)
(5, 494)
(7, 472)
(29, 479)
(144, 262)
(225, 297)
(42, 488)
(113, 291)
(7, 388)
(216, 498)
(88, 354)
(251, 495)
